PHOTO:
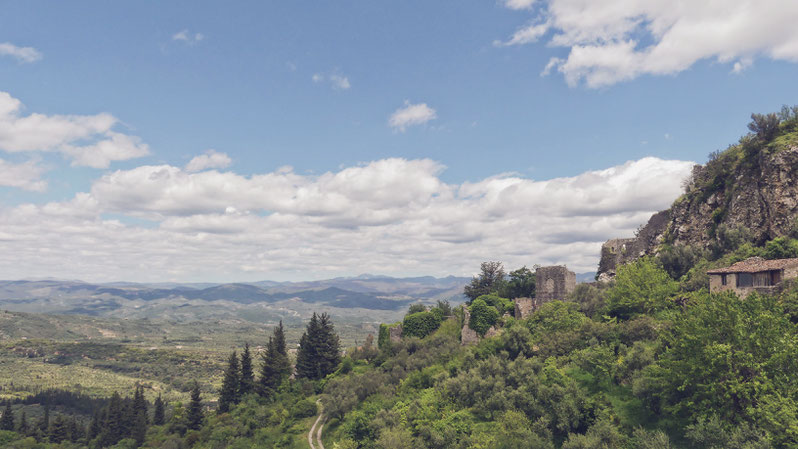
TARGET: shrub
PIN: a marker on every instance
(640, 287)
(420, 324)
(781, 248)
(502, 305)
(304, 409)
(483, 316)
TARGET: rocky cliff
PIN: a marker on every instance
(750, 189)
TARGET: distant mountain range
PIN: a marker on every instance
(364, 296)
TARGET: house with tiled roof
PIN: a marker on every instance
(754, 274)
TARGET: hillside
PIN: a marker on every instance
(746, 192)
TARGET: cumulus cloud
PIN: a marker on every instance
(189, 38)
(21, 54)
(616, 40)
(211, 159)
(411, 115)
(25, 176)
(89, 140)
(395, 216)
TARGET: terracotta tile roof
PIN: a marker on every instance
(755, 265)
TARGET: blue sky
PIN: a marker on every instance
(313, 86)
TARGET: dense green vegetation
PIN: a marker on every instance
(650, 360)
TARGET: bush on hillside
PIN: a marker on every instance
(483, 316)
(502, 305)
(420, 324)
(640, 287)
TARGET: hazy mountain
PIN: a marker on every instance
(361, 297)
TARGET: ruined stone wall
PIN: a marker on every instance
(395, 333)
(468, 336)
(553, 283)
(524, 307)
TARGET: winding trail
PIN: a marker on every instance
(313, 429)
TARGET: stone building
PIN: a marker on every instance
(553, 283)
(754, 274)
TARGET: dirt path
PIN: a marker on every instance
(319, 422)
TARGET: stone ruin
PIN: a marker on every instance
(395, 333)
(524, 307)
(553, 283)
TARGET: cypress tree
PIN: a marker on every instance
(7, 421)
(194, 416)
(158, 416)
(247, 381)
(230, 384)
(23, 424)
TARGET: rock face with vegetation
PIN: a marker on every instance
(746, 192)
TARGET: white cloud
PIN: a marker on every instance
(394, 216)
(88, 139)
(411, 115)
(526, 35)
(22, 54)
(616, 40)
(211, 159)
(337, 81)
(25, 176)
(340, 82)
(189, 38)
(519, 4)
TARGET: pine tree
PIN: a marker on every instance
(283, 364)
(113, 427)
(23, 424)
(307, 365)
(59, 430)
(329, 346)
(158, 416)
(319, 349)
(140, 402)
(139, 425)
(279, 339)
(74, 431)
(7, 421)
(44, 424)
(95, 427)
(194, 416)
(230, 384)
(247, 381)
(276, 367)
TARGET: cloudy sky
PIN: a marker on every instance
(242, 141)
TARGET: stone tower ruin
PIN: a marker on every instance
(553, 283)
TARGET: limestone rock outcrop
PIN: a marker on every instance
(759, 194)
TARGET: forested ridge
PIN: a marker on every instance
(650, 360)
